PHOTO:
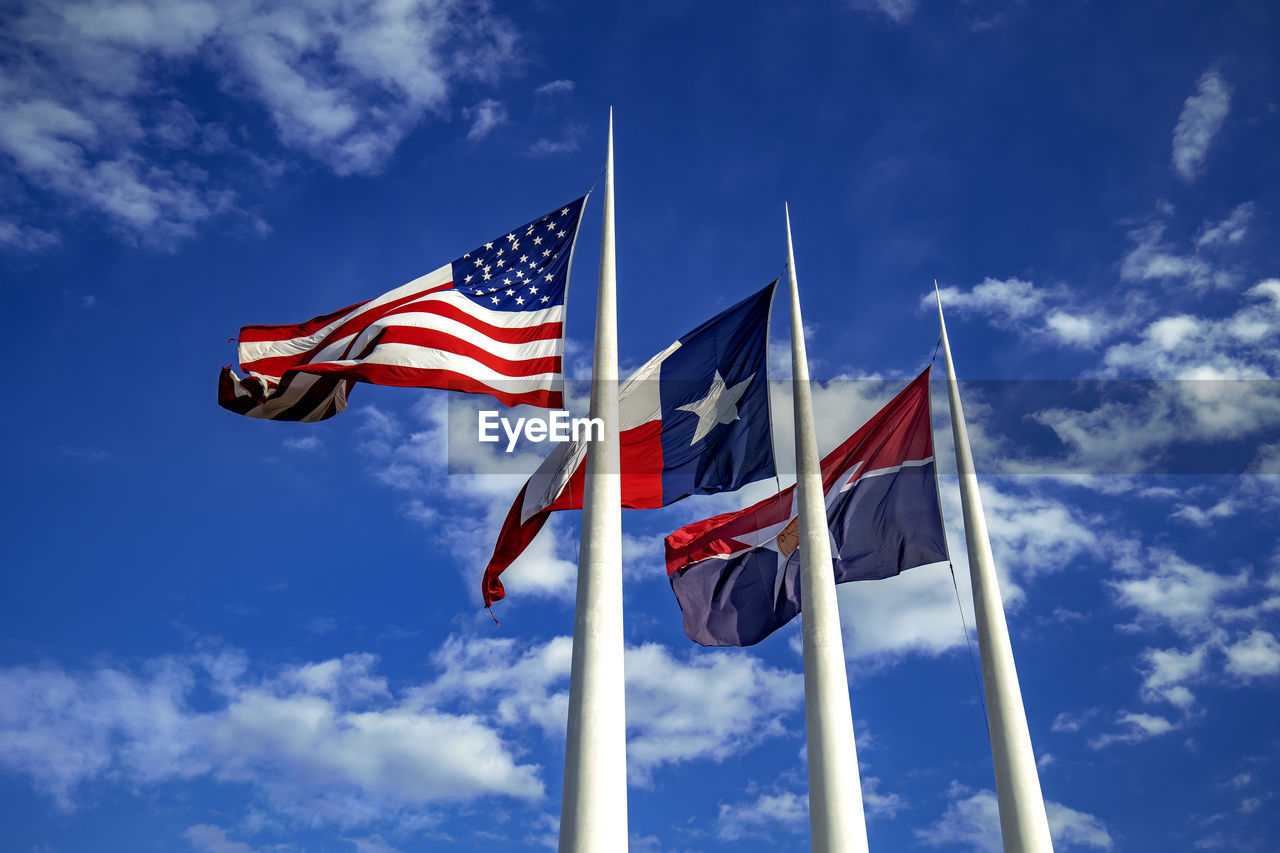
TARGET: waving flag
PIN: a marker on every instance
(694, 420)
(737, 575)
(491, 322)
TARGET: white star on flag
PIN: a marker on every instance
(719, 406)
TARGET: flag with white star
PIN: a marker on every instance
(694, 420)
(491, 322)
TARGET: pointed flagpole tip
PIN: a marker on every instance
(942, 323)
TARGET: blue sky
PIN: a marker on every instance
(229, 636)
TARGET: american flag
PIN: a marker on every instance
(491, 322)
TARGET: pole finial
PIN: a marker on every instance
(942, 324)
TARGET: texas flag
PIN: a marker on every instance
(693, 420)
(737, 575)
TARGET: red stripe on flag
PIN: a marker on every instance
(261, 334)
(502, 334)
(640, 457)
(512, 541)
(719, 534)
(443, 341)
(428, 339)
(266, 334)
(421, 377)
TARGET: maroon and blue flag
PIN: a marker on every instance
(694, 420)
(737, 575)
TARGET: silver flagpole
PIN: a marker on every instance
(836, 820)
(1023, 824)
(593, 812)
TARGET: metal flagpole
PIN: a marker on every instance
(836, 820)
(593, 812)
(1023, 824)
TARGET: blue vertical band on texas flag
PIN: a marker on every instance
(717, 437)
(693, 420)
(737, 575)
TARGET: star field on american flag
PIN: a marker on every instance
(525, 269)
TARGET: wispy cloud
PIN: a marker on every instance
(1134, 728)
(24, 238)
(89, 119)
(1029, 310)
(898, 11)
(779, 810)
(484, 117)
(1200, 267)
(565, 144)
(207, 838)
(972, 820)
(555, 87)
(1201, 119)
(306, 443)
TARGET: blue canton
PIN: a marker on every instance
(525, 269)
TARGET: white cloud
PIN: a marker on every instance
(879, 804)
(1168, 669)
(898, 11)
(1152, 258)
(1134, 727)
(326, 742)
(305, 443)
(1174, 592)
(1255, 656)
(1215, 398)
(1240, 780)
(1204, 518)
(1071, 828)
(206, 838)
(669, 702)
(484, 117)
(372, 844)
(783, 810)
(568, 142)
(1230, 231)
(25, 238)
(1022, 307)
(915, 612)
(1075, 329)
(1061, 316)
(1201, 119)
(668, 696)
(555, 87)
(1006, 300)
(972, 820)
(91, 121)
(1068, 721)
(521, 683)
